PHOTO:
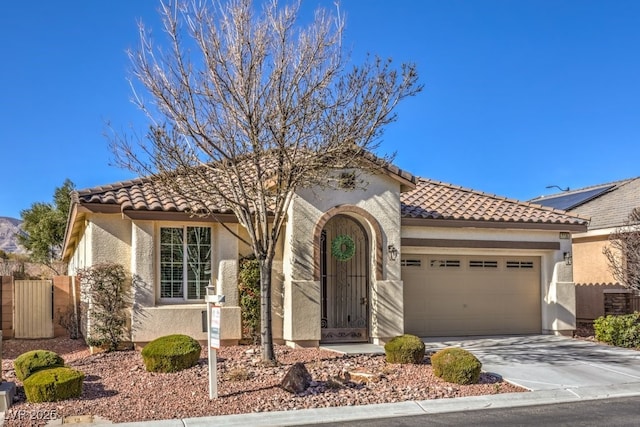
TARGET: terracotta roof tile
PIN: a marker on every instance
(429, 200)
(438, 200)
(140, 195)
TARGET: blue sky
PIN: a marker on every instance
(518, 94)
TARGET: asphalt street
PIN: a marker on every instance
(616, 412)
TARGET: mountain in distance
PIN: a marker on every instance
(9, 227)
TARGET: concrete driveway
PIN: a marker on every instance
(547, 362)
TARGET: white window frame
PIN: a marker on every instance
(185, 267)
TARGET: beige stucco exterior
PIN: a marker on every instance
(592, 275)
(296, 284)
(377, 208)
(590, 266)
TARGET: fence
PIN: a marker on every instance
(634, 303)
(33, 304)
(34, 309)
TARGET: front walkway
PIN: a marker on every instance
(354, 348)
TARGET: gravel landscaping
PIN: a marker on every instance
(118, 388)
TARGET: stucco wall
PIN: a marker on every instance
(81, 256)
(380, 199)
(592, 276)
(500, 234)
(589, 263)
(110, 239)
(152, 317)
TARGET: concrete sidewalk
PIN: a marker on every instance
(389, 410)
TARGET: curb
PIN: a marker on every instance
(390, 410)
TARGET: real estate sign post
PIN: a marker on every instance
(213, 325)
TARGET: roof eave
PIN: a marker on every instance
(521, 225)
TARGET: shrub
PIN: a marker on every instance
(68, 318)
(53, 384)
(109, 290)
(404, 349)
(621, 331)
(456, 365)
(171, 353)
(249, 293)
(30, 362)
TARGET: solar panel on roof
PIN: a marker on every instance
(570, 201)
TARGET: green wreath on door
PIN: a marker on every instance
(343, 247)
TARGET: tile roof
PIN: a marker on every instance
(608, 209)
(141, 195)
(428, 200)
(438, 200)
(151, 195)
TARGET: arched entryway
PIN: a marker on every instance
(344, 281)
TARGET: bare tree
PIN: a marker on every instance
(623, 252)
(246, 106)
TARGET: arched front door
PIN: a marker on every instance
(344, 263)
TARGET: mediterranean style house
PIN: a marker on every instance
(608, 206)
(414, 256)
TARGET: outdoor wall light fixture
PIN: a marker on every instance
(568, 259)
(392, 251)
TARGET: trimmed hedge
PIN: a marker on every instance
(621, 331)
(33, 361)
(249, 294)
(171, 353)
(53, 384)
(404, 349)
(456, 365)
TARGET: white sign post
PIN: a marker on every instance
(213, 325)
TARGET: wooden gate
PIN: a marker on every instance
(33, 314)
(345, 283)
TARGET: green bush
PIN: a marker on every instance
(456, 365)
(53, 384)
(621, 331)
(404, 349)
(109, 287)
(171, 353)
(249, 293)
(30, 362)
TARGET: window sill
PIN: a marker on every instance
(184, 305)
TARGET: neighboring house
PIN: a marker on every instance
(431, 259)
(608, 206)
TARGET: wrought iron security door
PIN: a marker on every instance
(345, 281)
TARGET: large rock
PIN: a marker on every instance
(297, 379)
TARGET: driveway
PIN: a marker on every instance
(547, 362)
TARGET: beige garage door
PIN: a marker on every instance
(471, 295)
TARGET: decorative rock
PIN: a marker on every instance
(297, 379)
(363, 377)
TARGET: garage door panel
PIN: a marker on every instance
(471, 295)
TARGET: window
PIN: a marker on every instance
(185, 262)
(483, 264)
(445, 263)
(520, 264)
(410, 263)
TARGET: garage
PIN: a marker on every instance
(449, 295)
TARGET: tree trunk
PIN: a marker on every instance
(266, 332)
